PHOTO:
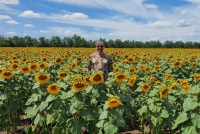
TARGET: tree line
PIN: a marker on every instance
(78, 41)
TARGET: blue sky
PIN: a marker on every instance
(141, 20)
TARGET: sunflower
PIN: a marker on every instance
(73, 66)
(79, 85)
(157, 68)
(197, 77)
(177, 64)
(44, 59)
(185, 62)
(131, 70)
(33, 67)
(158, 83)
(77, 78)
(164, 92)
(117, 69)
(42, 78)
(142, 67)
(42, 66)
(130, 60)
(2, 58)
(97, 78)
(62, 74)
(79, 59)
(146, 87)
(25, 69)
(174, 84)
(14, 66)
(113, 102)
(53, 88)
(186, 88)
(132, 80)
(151, 79)
(80, 69)
(87, 79)
(120, 77)
(58, 61)
(147, 69)
(194, 64)
(169, 76)
(184, 82)
(6, 74)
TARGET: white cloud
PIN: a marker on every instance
(160, 24)
(151, 6)
(10, 33)
(183, 23)
(12, 22)
(4, 17)
(28, 25)
(30, 14)
(75, 16)
(97, 29)
(183, 12)
(11, 2)
(44, 31)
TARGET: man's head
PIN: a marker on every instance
(99, 46)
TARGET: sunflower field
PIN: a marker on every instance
(156, 89)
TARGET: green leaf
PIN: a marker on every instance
(180, 119)
(62, 85)
(43, 105)
(109, 128)
(77, 127)
(194, 89)
(33, 98)
(143, 109)
(89, 88)
(50, 98)
(103, 115)
(189, 104)
(195, 117)
(100, 124)
(154, 108)
(3, 96)
(190, 130)
(50, 119)
(156, 121)
(36, 85)
(15, 121)
(164, 113)
(31, 112)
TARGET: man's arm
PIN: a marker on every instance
(110, 67)
(89, 65)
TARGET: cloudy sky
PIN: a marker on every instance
(141, 20)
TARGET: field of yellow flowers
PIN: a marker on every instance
(158, 87)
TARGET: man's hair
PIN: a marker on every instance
(98, 42)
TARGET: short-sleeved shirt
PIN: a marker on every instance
(103, 63)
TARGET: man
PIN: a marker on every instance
(100, 61)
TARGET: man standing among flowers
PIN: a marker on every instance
(100, 61)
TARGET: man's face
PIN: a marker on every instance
(99, 47)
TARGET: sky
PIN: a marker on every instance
(139, 20)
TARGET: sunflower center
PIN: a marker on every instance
(88, 79)
(25, 69)
(42, 65)
(145, 86)
(79, 85)
(165, 91)
(53, 87)
(15, 66)
(97, 77)
(7, 73)
(33, 66)
(177, 63)
(42, 77)
(58, 60)
(63, 74)
(121, 76)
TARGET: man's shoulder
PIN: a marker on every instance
(92, 55)
(107, 56)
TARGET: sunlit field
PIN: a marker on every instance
(156, 89)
